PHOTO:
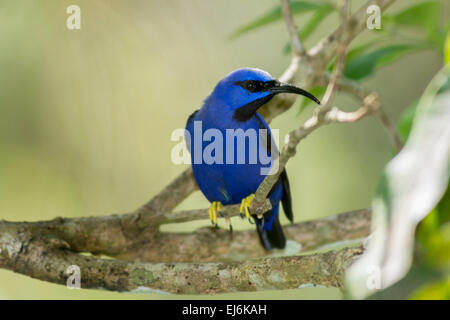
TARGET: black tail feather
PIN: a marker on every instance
(286, 200)
(274, 238)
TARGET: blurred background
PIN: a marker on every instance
(86, 115)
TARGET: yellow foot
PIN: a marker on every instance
(214, 211)
(244, 210)
(246, 204)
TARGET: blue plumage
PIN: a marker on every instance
(223, 177)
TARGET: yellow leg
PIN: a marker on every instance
(246, 203)
(214, 211)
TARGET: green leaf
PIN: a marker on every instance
(315, 20)
(406, 121)
(365, 64)
(297, 7)
(424, 14)
(318, 16)
(447, 49)
(359, 50)
(353, 53)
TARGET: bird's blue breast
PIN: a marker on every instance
(228, 182)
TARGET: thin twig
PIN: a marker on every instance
(371, 104)
(296, 44)
(344, 10)
(317, 120)
(390, 128)
(360, 93)
(325, 50)
(309, 72)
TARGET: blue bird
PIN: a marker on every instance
(231, 175)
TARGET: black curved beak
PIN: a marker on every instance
(279, 87)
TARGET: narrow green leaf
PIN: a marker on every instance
(318, 16)
(406, 121)
(297, 7)
(315, 20)
(359, 50)
(353, 53)
(365, 64)
(424, 14)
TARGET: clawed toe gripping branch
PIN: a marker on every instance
(209, 260)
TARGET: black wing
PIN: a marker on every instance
(286, 200)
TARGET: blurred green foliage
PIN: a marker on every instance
(364, 65)
(361, 62)
(406, 121)
(433, 237)
(429, 277)
(297, 7)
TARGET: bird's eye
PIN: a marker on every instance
(250, 86)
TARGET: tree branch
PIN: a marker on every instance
(112, 236)
(47, 261)
(344, 11)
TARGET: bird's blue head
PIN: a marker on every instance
(245, 90)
